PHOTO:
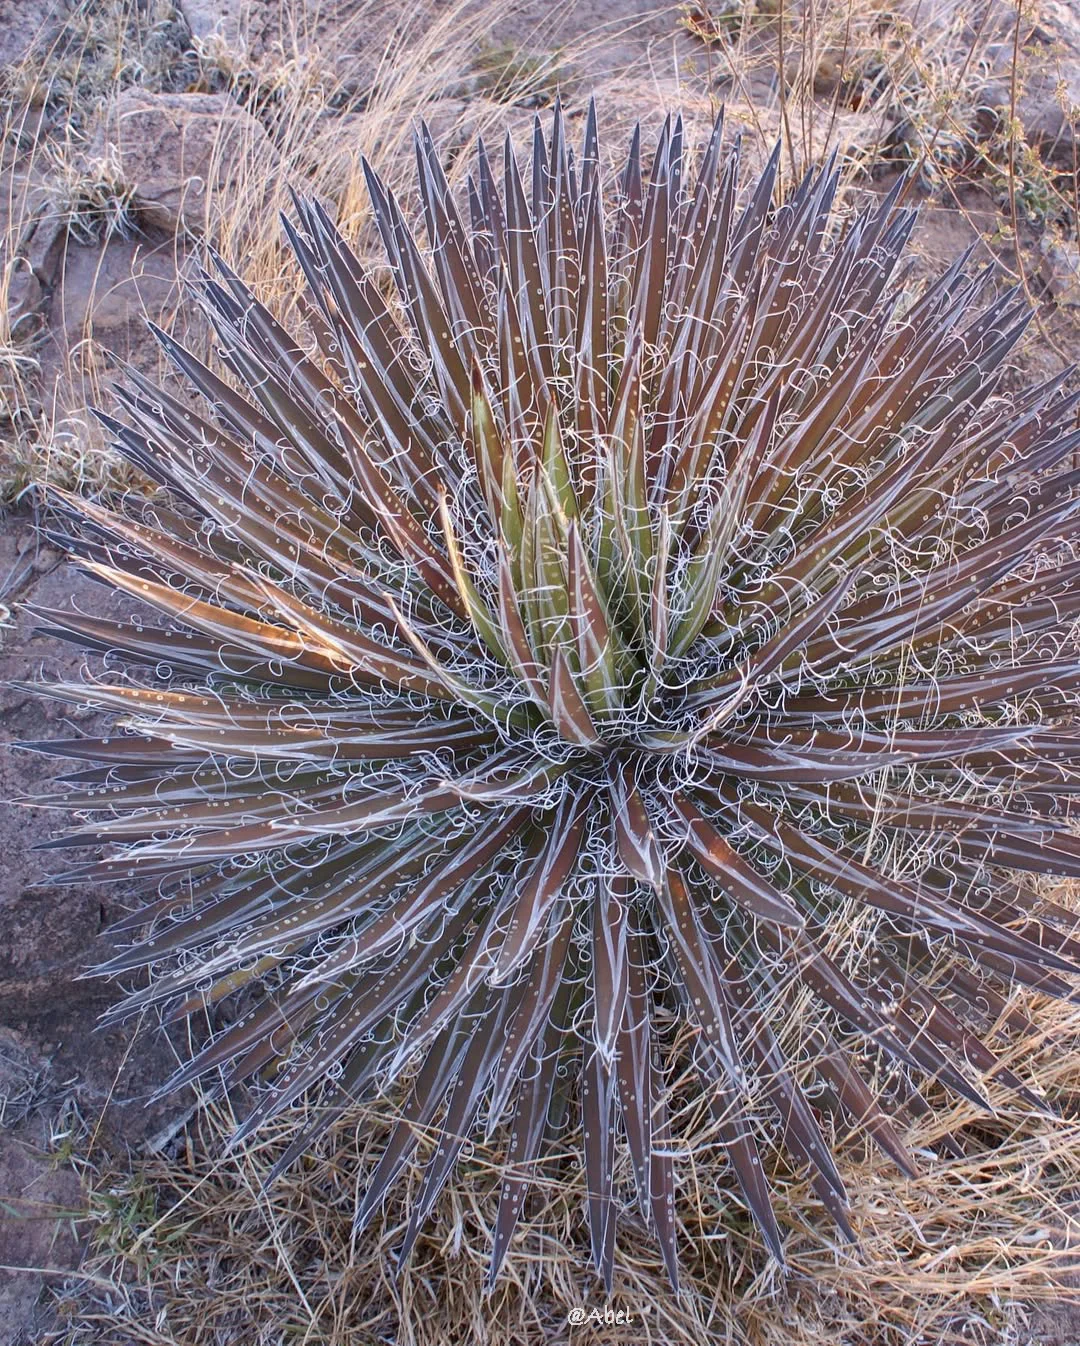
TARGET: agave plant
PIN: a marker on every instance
(606, 613)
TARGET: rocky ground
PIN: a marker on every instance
(133, 129)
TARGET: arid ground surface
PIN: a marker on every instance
(132, 130)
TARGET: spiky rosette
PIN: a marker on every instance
(581, 640)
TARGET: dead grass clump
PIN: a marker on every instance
(507, 74)
(91, 199)
(97, 47)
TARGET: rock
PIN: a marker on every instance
(26, 716)
(38, 1204)
(248, 29)
(35, 265)
(338, 45)
(623, 38)
(829, 74)
(109, 292)
(101, 302)
(1048, 102)
(183, 154)
(56, 1066)
(224, 19)
(1060, 270)
(52, 930)
(1048, 96)
(25, 24)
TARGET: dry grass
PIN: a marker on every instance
(884, 82)
(184, 1247)
(309, 129)
(48, 106)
